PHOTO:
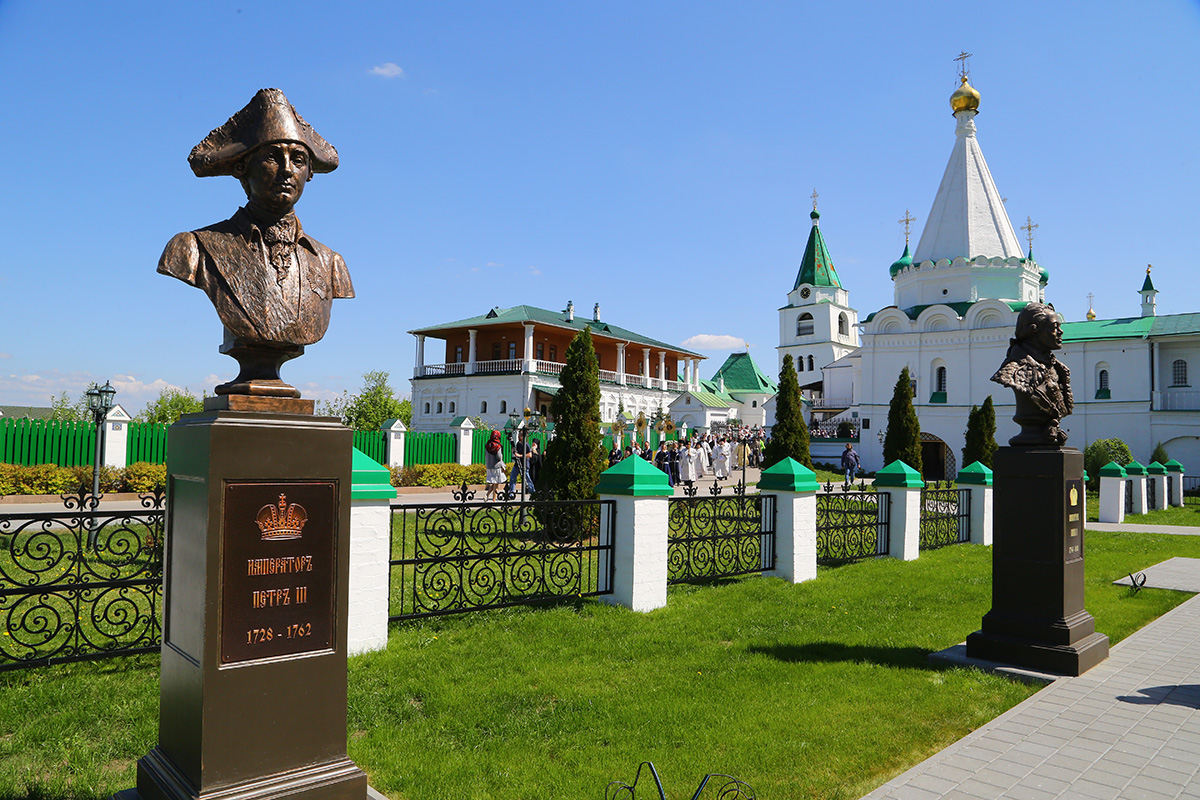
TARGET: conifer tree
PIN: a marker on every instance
(903, 438)
(573, 461)
(981, 435)
(789, 434)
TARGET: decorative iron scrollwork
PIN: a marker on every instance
(464, 494)
(716, 537)
(945, 517)
(726, 787)
(851, 525)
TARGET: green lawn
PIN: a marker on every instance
(1188, 515)
(816, 690)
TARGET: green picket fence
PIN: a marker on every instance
(373, 444)
(146, 441)
(29, 442)
(429, 447)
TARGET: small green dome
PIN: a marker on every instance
(815, 214)
(1045, 276)
(902, 263)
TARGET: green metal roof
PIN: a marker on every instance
(558, 319)
(550, 390)
(710, 398)
(21, 412)
(741, 374)
(1097, 329)
(1174, 324)
(816, 268)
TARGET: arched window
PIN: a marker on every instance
(1103, 381)
(940, 379)
(439, 408)
(804, 325)
(483, 406)
(800, 364)
(503, 406)
(810, 364)
(1179, 373)
(452, 408)
(843, 325)
(427, 408)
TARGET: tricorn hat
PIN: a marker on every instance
(268, 117)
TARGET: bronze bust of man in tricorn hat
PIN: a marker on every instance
(271, 283)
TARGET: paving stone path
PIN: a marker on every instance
(1128, 728)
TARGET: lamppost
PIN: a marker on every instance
(100, 402)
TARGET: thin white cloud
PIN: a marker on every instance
(534, 271)
(430, 92)
(712, 341)
(5, 355)
(388, 70)
(494, 264)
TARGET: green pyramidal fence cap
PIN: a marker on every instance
(788, 475)
(634, 477)
(976, 474)
(899, 474)
(1134, 468)
(1112, 470)
(369, 480)
(1173, 466)
(1155, 468)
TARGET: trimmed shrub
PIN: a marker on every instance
(1160, 454)
(903, 438)
(437, 475)
(145, 477)
(1099, 453)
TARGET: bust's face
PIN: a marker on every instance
(276, 174)
(1049, 334)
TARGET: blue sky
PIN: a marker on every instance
(655, 157)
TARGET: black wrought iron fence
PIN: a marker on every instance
(945, 517)
(720, 536)
(1128, 495)
(1151, 494)
(465, 556)
(1191, 490)
(1170, 490)
(852, 525)
(80, 583)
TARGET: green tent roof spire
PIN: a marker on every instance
(1148, 285)
(816, 268)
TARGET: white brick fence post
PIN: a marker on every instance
(371, 493)
(978, 478)
(795, 488)
(1175, 478)
(464, 431)
(902, 484)
(394, 429)
(1112, 492)
(1158, 473)
(116, 441)
(1137, 476)
(641, 493)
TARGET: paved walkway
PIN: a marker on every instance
(1127, 728)
(1116, 527)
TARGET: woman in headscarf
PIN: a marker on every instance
(494, 464)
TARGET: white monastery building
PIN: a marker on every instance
(955, 307)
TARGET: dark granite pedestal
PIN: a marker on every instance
(253, 682)
(1037, 618)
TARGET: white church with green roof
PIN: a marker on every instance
(956, 301)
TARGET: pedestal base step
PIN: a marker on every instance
(1073, 659)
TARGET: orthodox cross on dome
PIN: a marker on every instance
(814, 197)
(964, 69)
(907, 220)
(1029, 227)
(1091, 312)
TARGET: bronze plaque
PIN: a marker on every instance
(279, 559)
(1075, 502)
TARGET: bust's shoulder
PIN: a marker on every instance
(181, 257)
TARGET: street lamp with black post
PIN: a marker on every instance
(100, 402)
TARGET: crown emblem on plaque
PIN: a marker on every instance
(281, 521)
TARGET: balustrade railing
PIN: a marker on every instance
(548, 367)
(1176, 401)
(608, 376)
(496, 367)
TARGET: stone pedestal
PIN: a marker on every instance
(1037, 618)
(253, 684)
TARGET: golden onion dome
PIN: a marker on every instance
(1091, 315)
(965, 97)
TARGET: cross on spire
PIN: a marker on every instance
(1029, 227)
(814, 196)
(907, 220)
(1091, 297)
(964, 69)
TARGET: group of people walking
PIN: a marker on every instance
(689, 460)
(527, 462)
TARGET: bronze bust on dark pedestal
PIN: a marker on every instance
(271, 283)
(1041, 382)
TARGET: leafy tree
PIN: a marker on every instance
(573, 461)
(374, 404)
(789, 434)
(1102, 451)
(63, 410)
(170, 404)
(903, 438)
(1160, 454)
(981, 435)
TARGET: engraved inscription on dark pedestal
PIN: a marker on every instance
(279, 558)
